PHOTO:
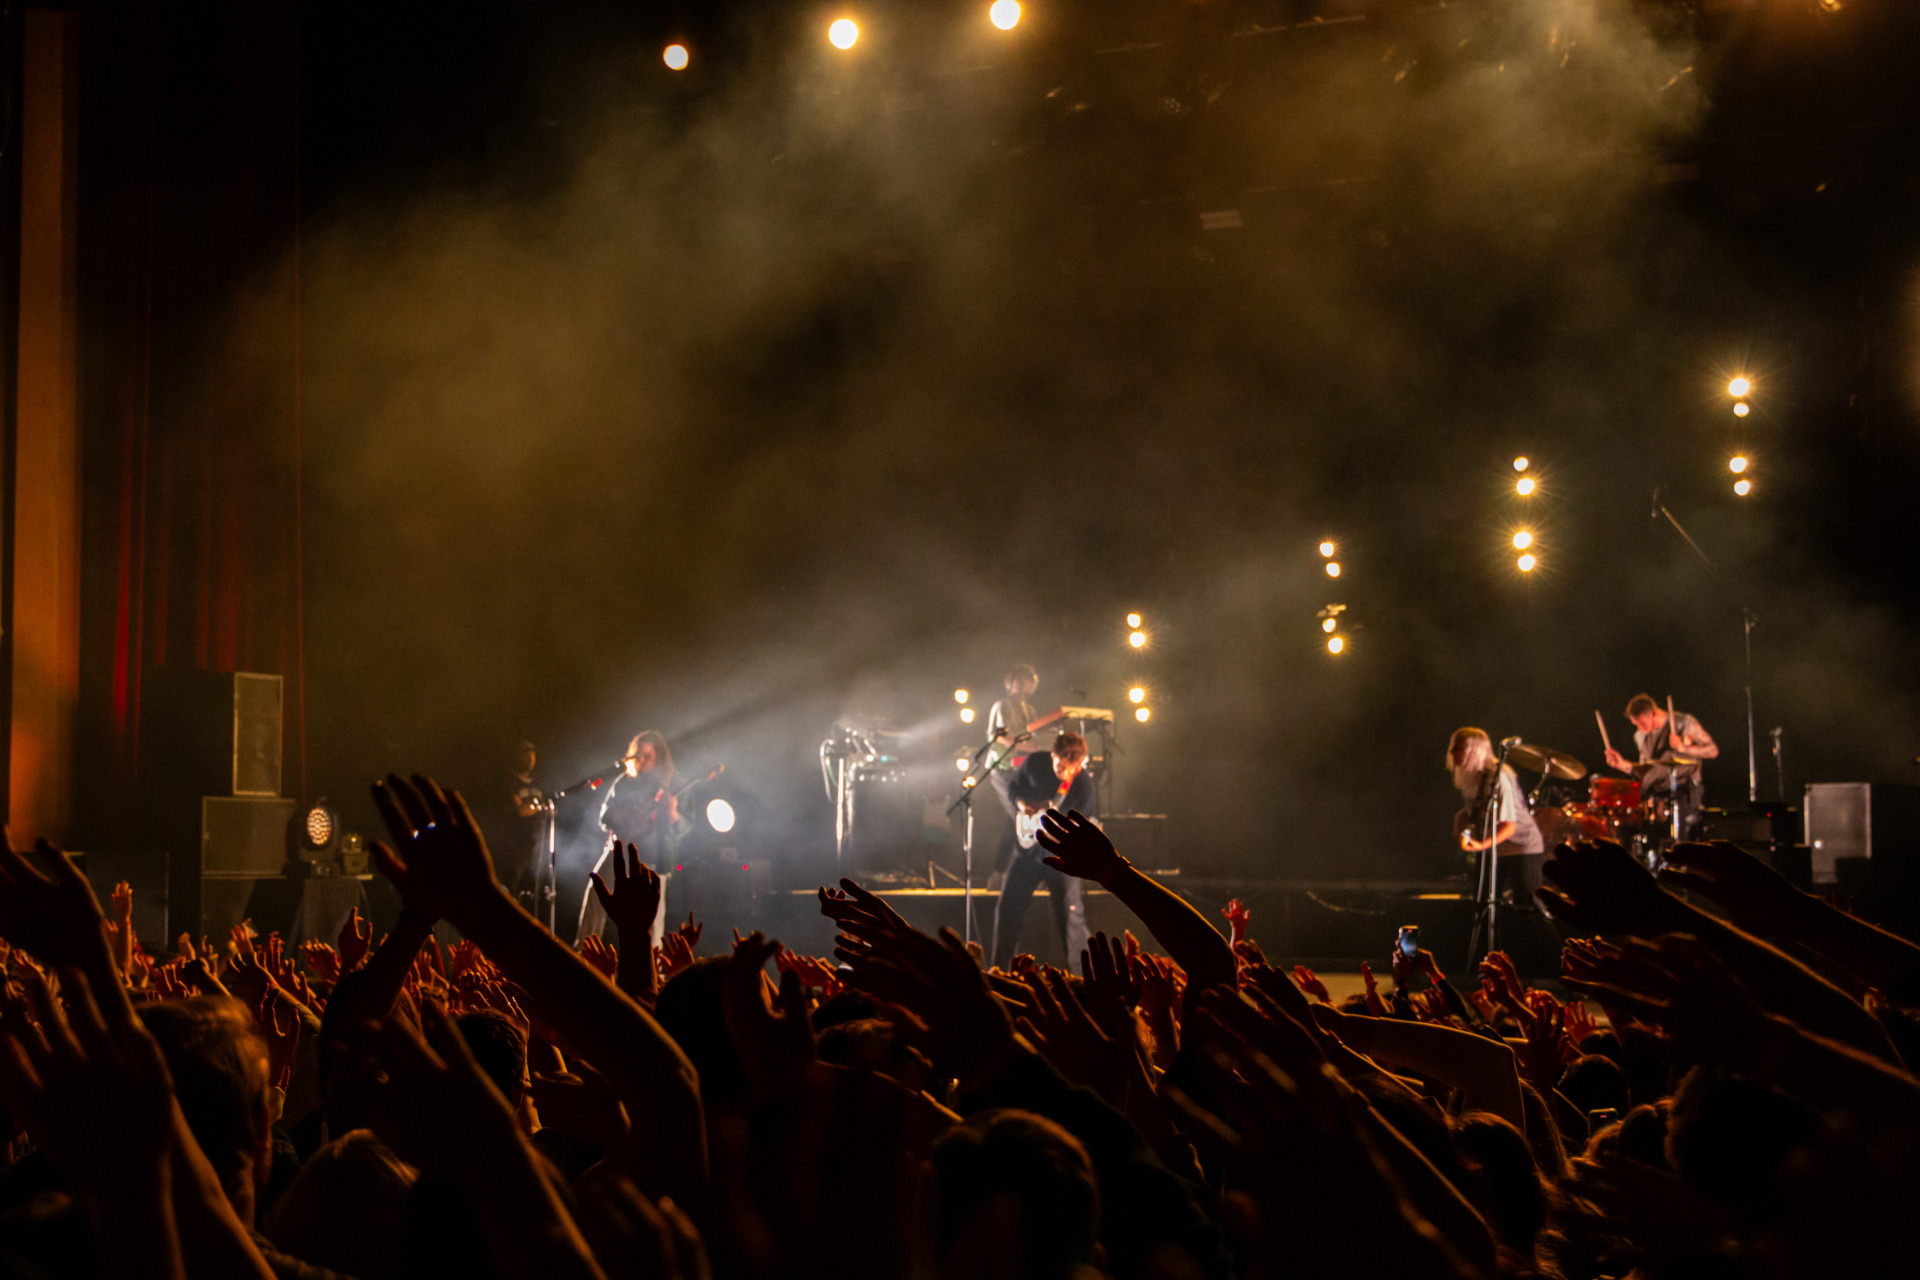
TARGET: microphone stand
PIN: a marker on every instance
(547, 891)
(1487, 882)
(985, 761)
(1747, 620)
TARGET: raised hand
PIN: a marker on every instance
(604, 959)
(1698, 1006)
(282, 1039)
(1598, 886)
(1755, 896)
(634, 900)
(356, 938)
(1309, 982)
(770, 1027)
(1112, 988)
(48, 909)
(1375, 1005)
(691, 932)
(1076, 846)
(438, 859)
(676, 954)
(323, 962)
(119, 927)
(1070, 1038)
(1239, 918)
(90, 1086)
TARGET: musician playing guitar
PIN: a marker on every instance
(1057, 779)
(642, 809)
(1515, 837)
(1009, 723)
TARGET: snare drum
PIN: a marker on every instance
(1615, 793)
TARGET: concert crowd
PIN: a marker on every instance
(1720, 1085)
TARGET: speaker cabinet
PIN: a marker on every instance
(1867, 834)
(242, 842)
(210, 733)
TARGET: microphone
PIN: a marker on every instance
(1654, 514)
(1508, 744)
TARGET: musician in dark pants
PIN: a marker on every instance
(1051, 780)
(1006, 721)
(519, 861)
(642, 810)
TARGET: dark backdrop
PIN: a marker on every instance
(802, 385)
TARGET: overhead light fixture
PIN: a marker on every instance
(1333, 568)
(966, 715)
(1326, 551)
(844, 33)
(1133, 620)
(1527, 562)
(1336, 644)
(1142, 714)
(1138, 639)
(1524, 486)
(960, 696)
(1521, 464)
(1136, 694)
(1739, 387)
(675, 56)
(1004, 14)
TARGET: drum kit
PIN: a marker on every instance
(1614, 808)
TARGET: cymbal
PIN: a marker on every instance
(1678, 762)
(1547, 760)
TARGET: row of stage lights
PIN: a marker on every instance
(1525, 541)
(844, 33)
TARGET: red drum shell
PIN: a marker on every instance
(1615, 793)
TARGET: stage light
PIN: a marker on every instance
(1326, 550)
(1522, 540)
(1133, 621)
(1524, 486)
(844, 33)
(1739, 387)
(960, 696)
(966, 715)
(1743, 487)
(1737, 463)
(1336, 644)
(720, 815)
(961, 764)
(1526, 562)
(1742, 409)
(319, 826)
(675, 56)
(1521, 464)
(1330, 625)
(1333, 568)
(1004, 14)
(1142, 714)
(1138, 639)
(1136, 694)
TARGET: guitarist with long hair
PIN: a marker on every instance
(642, 809)
(1056, 779)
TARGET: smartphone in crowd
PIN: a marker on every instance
(1409, 941)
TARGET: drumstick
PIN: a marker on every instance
(1601, 721)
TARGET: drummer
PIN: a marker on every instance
(1517, 843)
(1671, 750)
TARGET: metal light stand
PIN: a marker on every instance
(1487, 882)
(1747, 620)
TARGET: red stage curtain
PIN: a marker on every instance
(190, 346)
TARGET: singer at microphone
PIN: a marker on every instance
(1496, 817)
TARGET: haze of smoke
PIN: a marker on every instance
(798, 408)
